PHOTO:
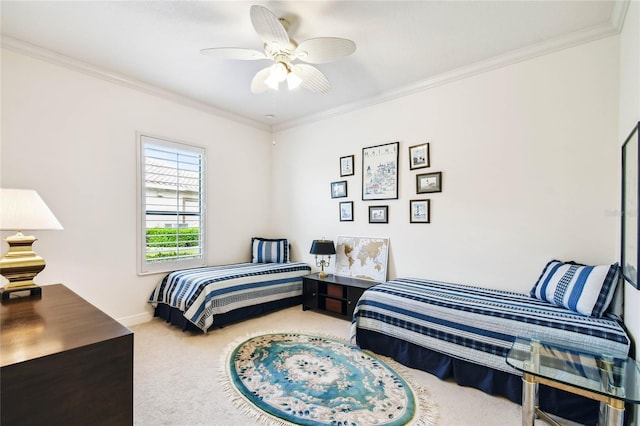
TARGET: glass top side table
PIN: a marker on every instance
(611, 381)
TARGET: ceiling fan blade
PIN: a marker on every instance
(258, 84)
(312, 78)
(268, 26)
(324, 49)
(233, 53)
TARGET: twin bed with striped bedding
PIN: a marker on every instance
(203, 298)
(465, 332)
(210, 297)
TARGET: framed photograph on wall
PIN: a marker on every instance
(346, 166)
(339, 189)
(429, 182)
(378, 214)
(420, 211)
(630, 206)
(346, 211)
(380, 172)
(419, 156)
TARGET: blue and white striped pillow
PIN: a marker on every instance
(267, 250)
(587, 290)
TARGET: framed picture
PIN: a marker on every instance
(346, 211)
(346, 166)
(364, 258)
(420, 211)
(380, 172)
(378, 214)
(429, 182)
(339, 189)
(419, 156)
(630, 206)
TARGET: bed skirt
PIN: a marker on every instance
(553, 401)
(175, 317)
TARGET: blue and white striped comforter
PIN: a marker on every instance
(477, 324)
(201, 293)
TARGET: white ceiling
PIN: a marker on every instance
(402, 46)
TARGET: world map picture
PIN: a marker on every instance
(362, 258)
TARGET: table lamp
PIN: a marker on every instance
(322, 248)
(20, 210)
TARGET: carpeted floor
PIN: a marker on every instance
(176, 375)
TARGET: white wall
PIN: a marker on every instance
(72, 137)
(529, 169)
(629, 115)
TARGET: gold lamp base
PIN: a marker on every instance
(20, 265)
(322, 264)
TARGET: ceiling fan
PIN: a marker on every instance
(284, 52)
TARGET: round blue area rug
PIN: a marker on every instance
(295, 378)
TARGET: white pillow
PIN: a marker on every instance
(268, 250)
(587, 290)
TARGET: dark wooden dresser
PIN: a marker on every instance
(63, 362)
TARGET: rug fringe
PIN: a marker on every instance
(427, 412)
(238, 400)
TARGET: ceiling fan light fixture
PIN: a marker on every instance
(277, 75)
(272, 83)
(293, 81)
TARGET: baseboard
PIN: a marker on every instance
(136, 319)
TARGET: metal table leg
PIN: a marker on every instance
(615, 413)
(529, 400)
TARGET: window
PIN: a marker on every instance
(171, 179)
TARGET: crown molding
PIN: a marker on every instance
(613, 27)
(618, 14)
(55, 58)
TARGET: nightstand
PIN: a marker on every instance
(334, 295)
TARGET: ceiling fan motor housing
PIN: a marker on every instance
(279, 53)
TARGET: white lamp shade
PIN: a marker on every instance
(23, 209)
